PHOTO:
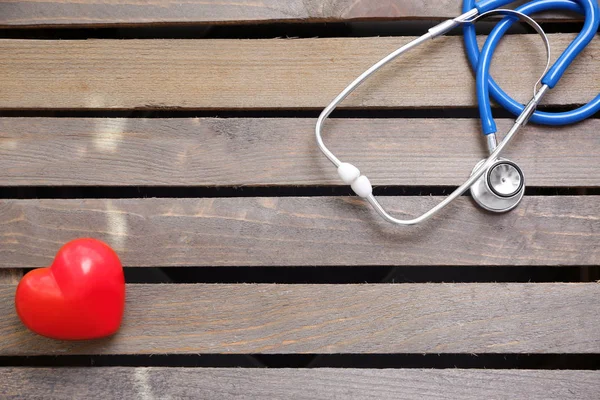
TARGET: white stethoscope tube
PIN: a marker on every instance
(362, 186)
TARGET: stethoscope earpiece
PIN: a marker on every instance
(360, 184)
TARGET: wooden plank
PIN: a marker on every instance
(379, 318)
(273, 73)
(234, 152)
(29, 13)
(10, 276)
(284, 384)
(553, 230)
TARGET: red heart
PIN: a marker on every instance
(80, 296)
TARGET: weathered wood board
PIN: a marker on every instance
(271, 73)
(284, 384)
(280, 151)
(373, 318)
(28, 13)
(10, 276)
(555, 230)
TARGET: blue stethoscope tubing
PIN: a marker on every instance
(481, 60)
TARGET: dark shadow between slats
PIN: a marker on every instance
(187, 192)
(364, 274)
(263, 31)
(173, 112)
(376, 361)
(359, 275)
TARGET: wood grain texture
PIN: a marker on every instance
(273, 73)
(284, 384)
(304, 231)
(31, 13)
(10, 276)
(236, 152)
(379, 318)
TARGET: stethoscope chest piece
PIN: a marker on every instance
(500, 188)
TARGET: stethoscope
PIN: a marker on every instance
(496, 184)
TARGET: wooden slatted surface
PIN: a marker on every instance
(297, 320)
(92, 12)
(279, 151)
(259, 74)
(217, 383)
(272, 319)
(292, 231)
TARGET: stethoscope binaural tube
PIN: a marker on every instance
(487, 88)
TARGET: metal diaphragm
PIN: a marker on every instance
(500, 188)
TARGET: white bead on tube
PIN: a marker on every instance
(362, 186)
(348, 172)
